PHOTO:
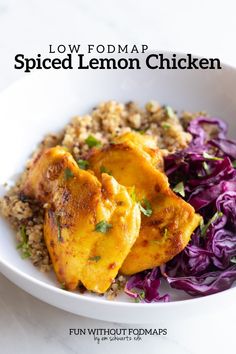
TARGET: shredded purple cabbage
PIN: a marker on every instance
(207, 170)
(205, 284)
(144, 286)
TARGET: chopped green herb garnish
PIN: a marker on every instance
(63, 286)
(165, 232)
(179, 188)
(103, 169)
(210, 157)
(23, 245)
(91, 141)
(68, 173)
(234, 163)
(206, 167)
(23, 234)
(83, 164)
(95, 258)
(25, 254)
(59, 236)
(145, 207)
(103, 227)
(142, 294)
(133, 194)
(170, 112)
(165, 125)
(201, 224)
(204, 227)
(140, 297)
(140, 131)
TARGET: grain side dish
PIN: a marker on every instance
(174, 229)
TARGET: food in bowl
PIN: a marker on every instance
(125, 198)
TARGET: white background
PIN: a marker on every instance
(201, 27)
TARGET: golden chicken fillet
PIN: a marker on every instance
(146, 144)
(131, 165)
(168, 222)
(162, 235)
(90, 226)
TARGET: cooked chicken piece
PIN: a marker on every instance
(170, 222)
(89, 227)
(123, 213)
(162, 235)
(130, 166)
(146, 144)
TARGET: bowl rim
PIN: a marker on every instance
(106, 302)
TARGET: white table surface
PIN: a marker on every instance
(201, 27)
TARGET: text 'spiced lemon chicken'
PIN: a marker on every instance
(90, 224)
(167, 220)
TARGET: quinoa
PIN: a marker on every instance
(105, 122)
(110, 119)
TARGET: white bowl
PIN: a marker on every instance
(44, 102)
